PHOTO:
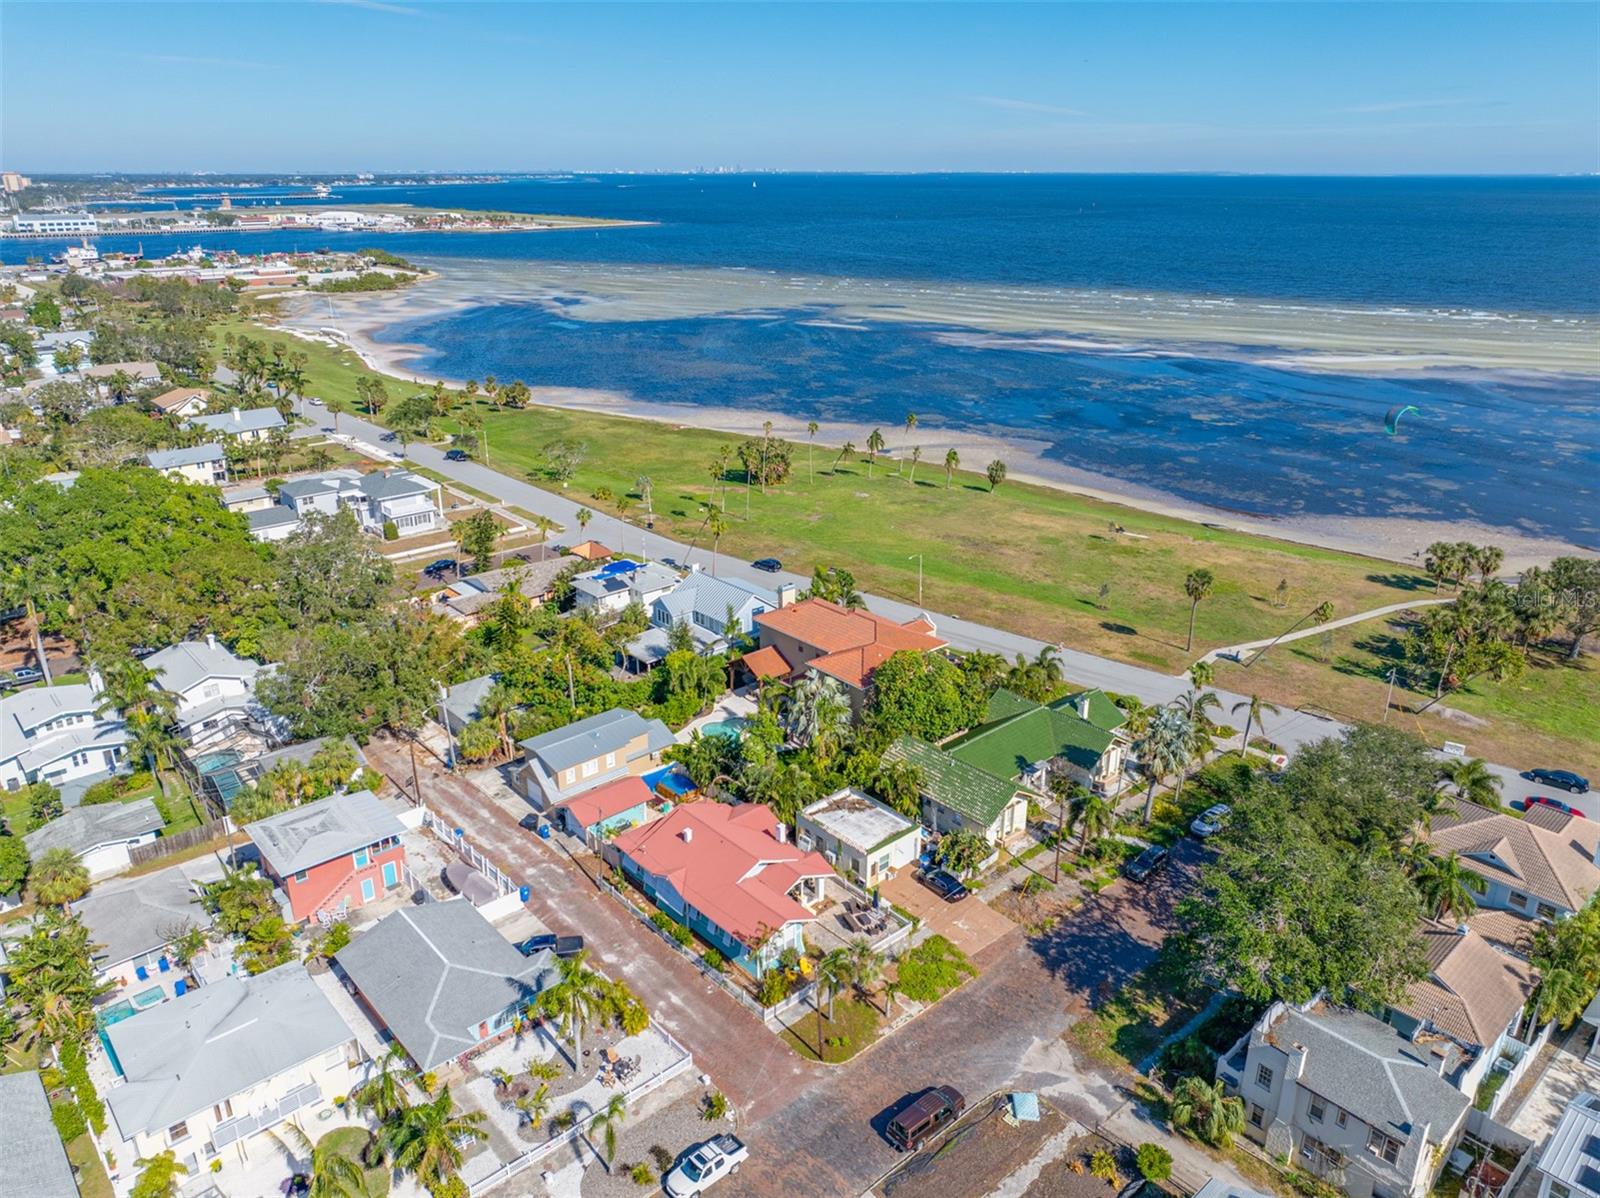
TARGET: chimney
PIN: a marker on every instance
(782, 833)
(688, 835)
(211, 640)
(786, 594)
(1082, 705)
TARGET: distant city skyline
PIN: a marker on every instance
(353, 85)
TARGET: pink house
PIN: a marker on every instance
(332, 855)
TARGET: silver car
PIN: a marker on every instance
(1209, 822)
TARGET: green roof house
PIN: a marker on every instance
(1080, 734)
(958, 795)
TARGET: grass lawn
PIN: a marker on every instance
(1132, 1025)
(1549, 716)
(854, 1026)
(92, 1179)
(350, 1142)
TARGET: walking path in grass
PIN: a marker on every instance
(1236, 651)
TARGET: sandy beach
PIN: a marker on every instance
(355, 320)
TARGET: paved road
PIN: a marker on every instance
(1291, 729)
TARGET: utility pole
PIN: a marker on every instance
(449, 738)
(1389, 695)
(572, 696)
(918, 556)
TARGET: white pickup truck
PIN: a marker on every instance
(705, 1165)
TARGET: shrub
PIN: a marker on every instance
(641, 1174)
(716, 1107)
(448, 1187)
(1155, 1162)
(681, 934)
(1187, 1057)
(391, 531)
(713, 960)
(932, 968)
(1104, 1166)
(69, 1120)
(773, 988)
(107, 790)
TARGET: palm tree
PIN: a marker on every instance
(995, 472)
(1163, 750)
(916, 456)
(1198, 585)
(1472, 781)
(534, 1108)
(815, 709)
(331, 1174)
(383, 1095)
(583, 517)
(1446, 887)
(848, 448)
(952, 460)
(546, 526)
(1253, 707)
(1204, 1108)
(874, 448)
(577, 1000)
(1563, 995)
(811, 446)
(1096, 817)
(58, 877)
(866, 966)
(427, 1140)
(607, 1123)
(832, 975)
(151, 737)
(647, 494)
(336, 405)
(1487, 560)
(716, 525)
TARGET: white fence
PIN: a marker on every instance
(680, 1066)
(451, 835)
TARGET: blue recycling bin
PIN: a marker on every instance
(163, 964)
(180, 988)
(140, 972)
(524, 893)
(544, 831)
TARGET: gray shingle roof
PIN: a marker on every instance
(562, 748)
(434, 973)
(36, 1164)
(307, 836)
(41, 704)
(84, 828)
(188, 1054)
(130, 916)
(1370, 1069)
(271, 517)
(392, 484)
(461, 700)
(189, 663)
(317, 484)
(171, 459)
(711, 597)
(235, 421)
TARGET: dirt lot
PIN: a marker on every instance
(982, 1150)
(971, 925)
(1061, 1177)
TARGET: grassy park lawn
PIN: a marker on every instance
(1548, 716)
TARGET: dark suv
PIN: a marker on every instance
(924, 1116)
(1565, 779)
(943, 883)
(442, 567)
(1146, 863)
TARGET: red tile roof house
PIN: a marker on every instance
(845, 644)
(329, 856)
(728, 873)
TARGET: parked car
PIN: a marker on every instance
(770, 564)
(530, 821)
(314, 402)
(706, 1164)
(1565, 779)
(1209, 822)
(1146, 863)
(561, 946)
(943, 883)
(24, 674)
(1547, 801)
(442, 567)
(457, 455)
(924, 1116)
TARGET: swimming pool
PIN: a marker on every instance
(610, 569)
(669, 782)
(124, 1008)
(732, 726)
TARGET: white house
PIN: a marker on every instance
(568, 761)
(46, 345)
(716, 611)
(204, 464)
(134, 920)
(211, 1074)
(859, 836)
(53, 734)
(1569, 1166)
(613, 586)
(250, 424)
(409, 500)
(99, 836)
(216, 692)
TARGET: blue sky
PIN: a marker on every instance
(376, 85)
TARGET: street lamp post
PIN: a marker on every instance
(449, 738)
(918, 556)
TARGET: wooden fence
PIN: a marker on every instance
(165, 846)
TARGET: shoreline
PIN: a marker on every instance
(1395, 539)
